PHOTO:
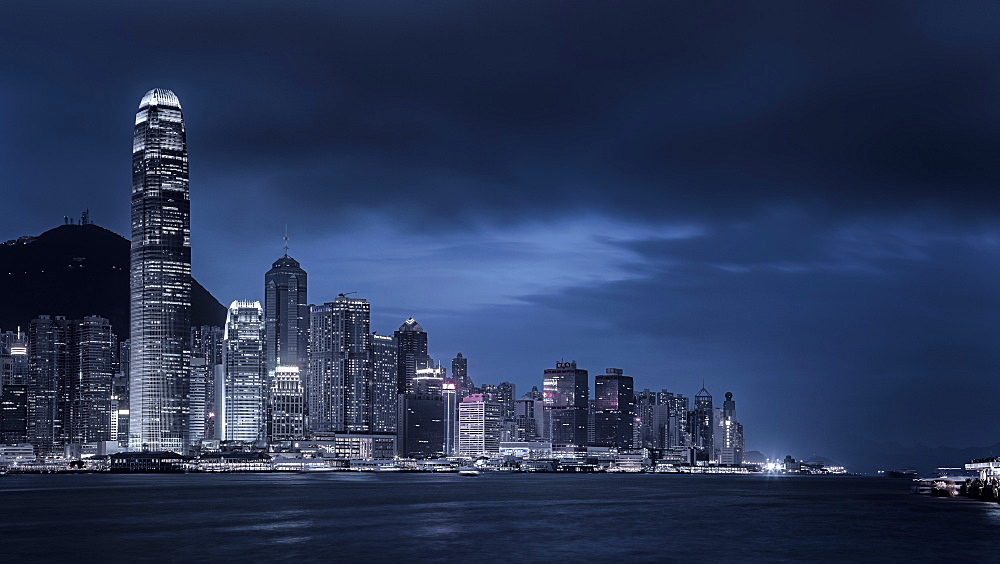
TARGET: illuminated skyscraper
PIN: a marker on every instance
(567, 391)
(51, 357)
(90, 389)
(479, 426)
(160, 276)
(614, 409)
(287, 410)
(339, 374)
(243, 401)
(728, 433)
(411, 346)
(460, 374)
(286, 315)
(702, 422)
(384, 398)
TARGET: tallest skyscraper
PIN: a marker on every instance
(160, 276)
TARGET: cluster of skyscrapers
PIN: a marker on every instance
(287, 371)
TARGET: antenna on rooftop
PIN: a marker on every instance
(286, 240)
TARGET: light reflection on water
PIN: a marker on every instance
(337, 516)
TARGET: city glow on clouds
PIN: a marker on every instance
(398, 269)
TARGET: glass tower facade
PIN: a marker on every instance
(160, 276)
(411, 346)
(614, 409)
(243, 401)
(566, 393)
(339, 373)
(286, 315)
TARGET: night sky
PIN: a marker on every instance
(792, 201)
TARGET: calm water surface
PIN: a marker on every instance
(520, 517)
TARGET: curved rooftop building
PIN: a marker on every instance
(160, 277)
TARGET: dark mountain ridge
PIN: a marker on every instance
(76, 271)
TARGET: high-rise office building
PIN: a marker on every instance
(428, 381)
(286, 315)
(411, 346)
(14, 414)
(529, 418)
(614, 409)
(244, 396)
(566, 393)
(160, 276)
(287, 407)
(384, 397)
(421, 426)
(339, 372)
(503, 393)
(69, 383)
(479, 426)
(13, 358)
(677, 433)
(13, 387)
(90, 389)
(207, 343)
(50, 359)
(449, 396)
(120, 393)
(207, 355)
(460, 374)
(728, 433)
(701, 423)
(201, 397)
(648, 427)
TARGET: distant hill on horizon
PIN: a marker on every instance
(76, 271)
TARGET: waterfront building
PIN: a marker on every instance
(614, 409)
(287, 404)
(528, 450)
(411, 346)
(160, 276)
(702, 419)
(13, 387)
(479, 426)
(648, 420)
(339, 373)
(14, 414)
(13, 358)
(449, 395)
(120, 394)
(286, 315)
(384, 395)
(676, 431)
(728, 437)
(50, 357)
(68, 388)
(566, 393)
(421, 426)
(244, 400)
(90, 382)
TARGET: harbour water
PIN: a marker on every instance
(336, 516)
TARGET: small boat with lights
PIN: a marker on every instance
(468, 471)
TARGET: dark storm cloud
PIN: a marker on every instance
(791, 199)
(648, 110)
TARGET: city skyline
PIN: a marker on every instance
(760, 210)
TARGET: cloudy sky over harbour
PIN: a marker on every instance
(795, 202)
